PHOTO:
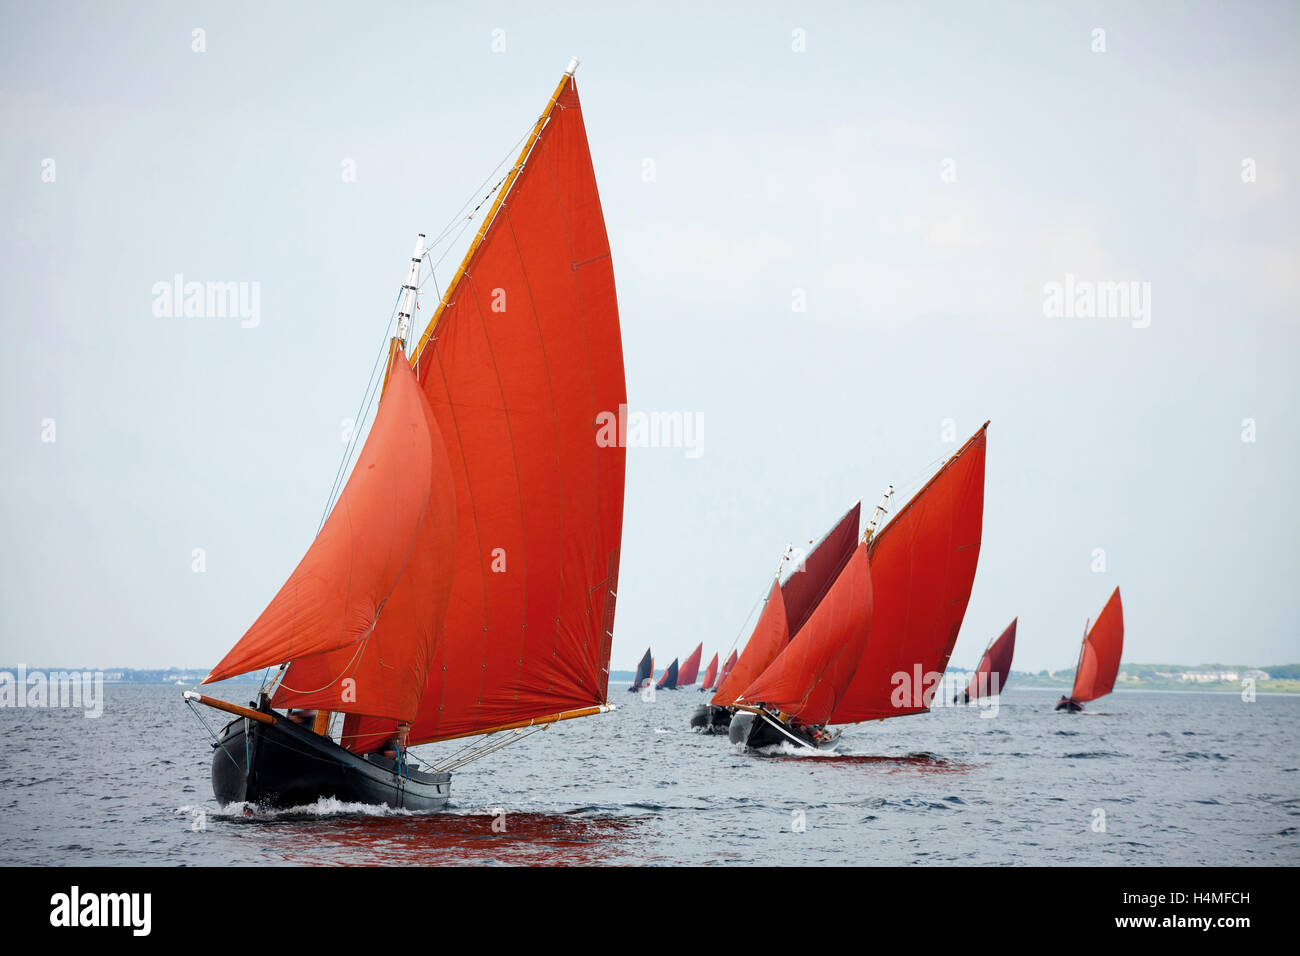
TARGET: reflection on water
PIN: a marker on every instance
(438, 838)
(924, 762)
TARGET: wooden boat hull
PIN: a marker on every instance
(284, 765)
(757, 732)
(708, 719)
(1069, 705)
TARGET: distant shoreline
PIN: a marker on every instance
(1275, 687)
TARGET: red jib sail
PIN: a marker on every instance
(709, 674)
(808, 677)
(994, 667)
(810, 580)
(690, 670)
(769, 637)
(922, 568)
(377, 531)
(386, 674)
(805, 586)
(523, 368)
(1099, 661)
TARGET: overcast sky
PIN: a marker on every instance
(915, 175)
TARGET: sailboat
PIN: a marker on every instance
(994, 667)
(668, 681)
(790, 601)
(464, 582)
(644, 672)
(723, 674)
(877, 645)
(690, 670)
(710, 674)
(1098, 657)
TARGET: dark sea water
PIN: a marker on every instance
(1195, 778)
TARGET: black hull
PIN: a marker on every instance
(284, 765)
(757, 733)
(961, 698)
(711, 720)
(1069, 705)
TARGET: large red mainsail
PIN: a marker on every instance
(1102, 647)
(771, 634)
(523, 365)
(811, 673)
(709, 674)
(922, 568)
(377, 530)
(690, 668)
(994, 667)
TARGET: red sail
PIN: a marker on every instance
(524, 373)
(811, 579)
(922, 568)
(710, 674)
(385, 676)
(994, 667)
(769, 637)
(691, 669)
(1099, 662)
(726, 671)
(808, 677)
(334, 597)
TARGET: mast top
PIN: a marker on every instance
(573, 65)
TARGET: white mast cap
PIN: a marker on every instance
(573, 65)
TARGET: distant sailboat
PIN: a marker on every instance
(669, 679)
(877, 645)
(644, 672)
(727, 668)
(789, 604)
(690, 670)
(710, 674)
(994, 667)
(464, 582)
(1098, 657)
